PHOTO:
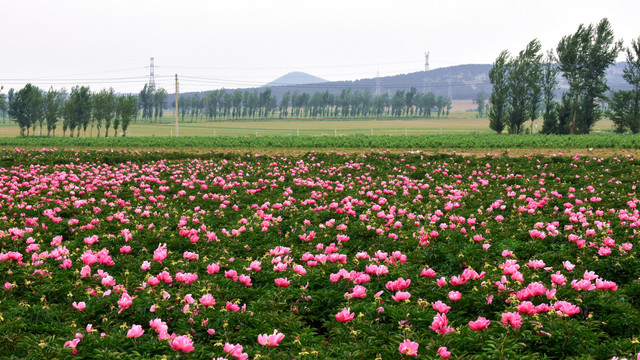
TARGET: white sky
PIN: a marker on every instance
(220, 43)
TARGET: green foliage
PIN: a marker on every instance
(498, 75)
(481, 97)
(26, 108)
(622, 112)
(77, 109)
(104, 109)
(625, 105)
(165, 197)
(605, 141)
(584, 58)
(53, 104)
(126, 108)
(524, 87)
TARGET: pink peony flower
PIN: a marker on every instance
(345, 315)
(442, 351)
(480, 324)
(401, 295)
(454, 295)
(135, 331)
(271, 340)
(441, 307)
(207, 300)
(512, 318)
(182, 343)
(409, 347)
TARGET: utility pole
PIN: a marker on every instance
(426, 61)
(176, 105)
(152, 78)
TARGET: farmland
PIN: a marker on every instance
(457, 123)
(128, 254)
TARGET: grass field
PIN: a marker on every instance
(458, 123)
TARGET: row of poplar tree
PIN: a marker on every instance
(31, 107)
(526, 84)
(254, 104)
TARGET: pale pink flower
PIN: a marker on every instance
(401, 295)
(79, 306)
(442, 351)
(512, 318)
(207, 300)
(441, 307)
(182, 343)
(271, 340)
(135, 331)
(455, 295)
(125, 301)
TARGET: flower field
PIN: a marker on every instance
(120, 254)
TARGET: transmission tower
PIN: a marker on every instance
(426, 61)
(378, 83)
(152, 78)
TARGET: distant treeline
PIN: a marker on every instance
(254, 104)
(82, 110)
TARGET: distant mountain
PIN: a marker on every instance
(461, 82)
(296, 78)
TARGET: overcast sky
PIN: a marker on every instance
(218, 43)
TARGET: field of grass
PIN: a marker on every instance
(458, 123)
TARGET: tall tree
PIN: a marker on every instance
(625, 104)
(237, 103)
(410, 100)
(584, 58)
(213, 98)
(498, 75)
(524, 87)
(481, 97)
(146, 101)
(284, 104)
(77, 109)
(398, 102)
(159, 103)
(126, 108)
(549, 86)
(631, 74)
(104, 109)
(3, 103)
(265, 102)
(53, 101)
(26, 107)
(534, 79)
(380, 103)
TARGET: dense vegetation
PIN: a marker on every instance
(433, 142)
(110, 254)
(525, 84)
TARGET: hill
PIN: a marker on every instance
(460, 82)
(295, 78)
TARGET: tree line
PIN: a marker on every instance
(525, 85)
(256, 104)
(32, 108)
